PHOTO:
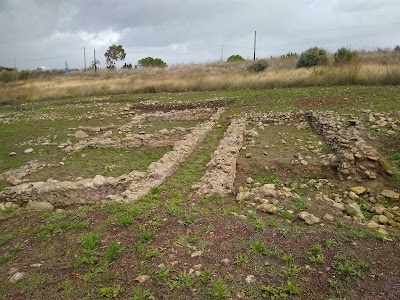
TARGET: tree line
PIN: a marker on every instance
(117, 53)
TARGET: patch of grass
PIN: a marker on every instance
(6, 257)
(8, 212)
(241, 259)
(142, 294)
(349, 267)
(259, 226)
(151, 253)
(219, 290)
(271, 177)
(163, 274)
(299, 205)
(258, 247)
(146, 234)
(364, 234)
(113, 251)
(182, 281)
(315, 254)
(5, 239)
(288, 259)
(110, 292)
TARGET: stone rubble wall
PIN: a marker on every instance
(169, 163)
(126, 187)
(162, 138)
(184, 115)
(221, 170)
(15, 177)
(357, 160)
(278, 118)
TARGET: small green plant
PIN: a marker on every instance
(349, 267)
(329, 243)
(90, 240)
(183, 281)
(312, 57)
(126, 219)
(315, 254)
(163, 274)
(219, 290)
(6, 257)
(241, 259)
(146, 234)
(258, 247)
(259, 65)
(235, 57)
(150, 253)
(299, 205)
(259, 226)
(5, 239)
(288, 259)
(110, 292)
(141, 294)
(289, 271)
(365, 234)
(291, 287)
(113, 251)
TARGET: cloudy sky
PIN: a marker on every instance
(48, 32)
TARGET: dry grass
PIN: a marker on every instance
(371, 69)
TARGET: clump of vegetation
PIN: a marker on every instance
(315, 254)
(219, 290)
(149, 62)
(259, 65)
(235, 57)
(312, 57)
(344, 55)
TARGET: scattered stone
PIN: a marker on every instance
(268, 208)
(372, 224)
(388, 214)
(353, 196)
(81, 134)
(309, 218)
(39, 205)
(383, 231)
(248, 155)
(225, 261)
(383, 219)
(13, 153)
(12, 271)
(243, 196)
(250, 279)
(16, 277)
(249, 180)
(196, 253)
(29, 150)
(353, 210)
(38, 265)
(329, 217)
(142, 278)
(358, 190)
(390, 194)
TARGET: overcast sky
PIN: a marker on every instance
(48, 32)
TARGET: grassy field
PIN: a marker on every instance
(174, 244)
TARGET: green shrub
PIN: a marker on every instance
(312, 57)
(152, 62)
(343, 56)
(259, 65)
(235, 57)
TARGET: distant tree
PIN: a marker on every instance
(126, 66)
(312, 57)
(397, 49)
(114, 54)
(235, 57)
(151, 62)
(344, 55)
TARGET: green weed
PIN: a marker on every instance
(219, 290)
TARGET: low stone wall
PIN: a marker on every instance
(15, 177)
(99, 189)
(357, 160)
(169, 163)
(221, 170)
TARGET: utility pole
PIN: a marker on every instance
(95, 63)
(84, 57)
(222, 53)
(66, 65)
(255, 38)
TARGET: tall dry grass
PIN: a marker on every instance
(369, 70)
